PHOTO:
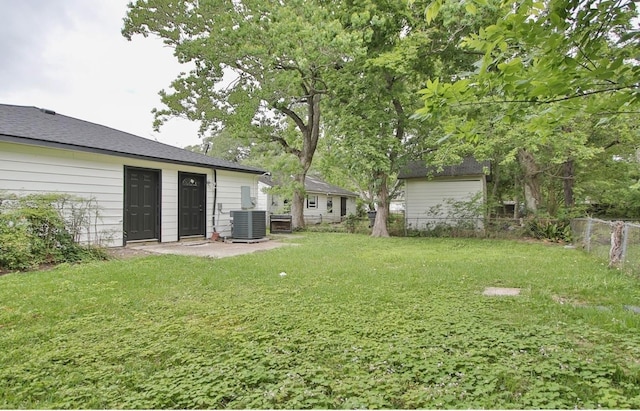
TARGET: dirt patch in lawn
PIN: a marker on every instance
(122, 253)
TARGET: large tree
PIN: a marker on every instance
(224, 146)
(260, 68)
(371, 122)
(545, 70)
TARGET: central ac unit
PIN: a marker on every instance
(249, 224)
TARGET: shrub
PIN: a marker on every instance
(395, 225)
(15, 244)
(548, 229)
(350, 222)
(326, 228)
(451, 218)
(33, 230)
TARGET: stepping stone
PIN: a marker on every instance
(499, 291)
(632, 308)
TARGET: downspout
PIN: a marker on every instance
(215, 199)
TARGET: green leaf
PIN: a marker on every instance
(432, 10)
(471, 8)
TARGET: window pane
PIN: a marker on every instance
(312, 201)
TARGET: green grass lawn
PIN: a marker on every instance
(357, 322)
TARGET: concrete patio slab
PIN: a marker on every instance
(206, 248)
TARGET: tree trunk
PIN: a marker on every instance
(383, 200)
(531, 196)
(567, 183)
(495, 174)
(297, 205)
(516, 199)
(310, 135)
(615, 252)
(382, 214)
(531, 180)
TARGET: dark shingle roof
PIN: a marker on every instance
(316, 185)
(418, 169)
(31, 125)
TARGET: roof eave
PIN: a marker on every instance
(52, 144)
(329, 193)
(434, 177)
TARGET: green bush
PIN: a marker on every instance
(548, 229)
(15, 244)
(350, 222)
(452, 218)
(33, 231)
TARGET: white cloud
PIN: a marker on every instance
(69, 56)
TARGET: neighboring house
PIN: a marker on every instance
(324, 202)
(452, 196)
(397, 204)
(144, 190)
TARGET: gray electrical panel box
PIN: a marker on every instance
(245, 197)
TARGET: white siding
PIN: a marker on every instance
(334, 215)
(169, 192)
(320, 214)
(26, 169)
(229, 196)
(264, 198)
(36, 170)
(351, 205)
(169, 198)
(274, 205)
(428, 201)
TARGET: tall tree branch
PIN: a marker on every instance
(285, 145)
(292, 115)
(551, 101)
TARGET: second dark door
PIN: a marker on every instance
(192, 204)
(343, 206)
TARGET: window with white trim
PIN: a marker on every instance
(312, 201)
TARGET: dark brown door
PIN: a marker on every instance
(191, 213)
(343, 206)
(141, 200)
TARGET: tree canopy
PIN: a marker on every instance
(261, 68)
(538, 87)
(370, 127)
(549, 75)
(556, 54)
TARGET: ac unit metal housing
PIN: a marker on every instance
(249, 224)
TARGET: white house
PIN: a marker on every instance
(324, 202)
(451, 196)
(144, 190)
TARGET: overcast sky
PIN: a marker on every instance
(69, 56)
